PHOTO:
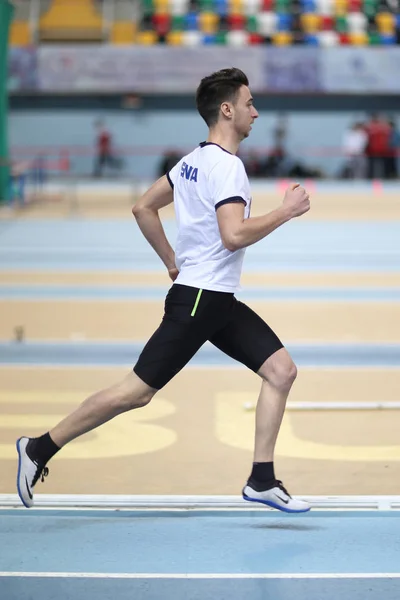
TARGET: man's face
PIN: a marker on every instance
(244, 113)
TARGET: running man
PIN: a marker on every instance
(211, 195)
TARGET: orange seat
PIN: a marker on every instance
(146, 38)
(20, 34)
(123, 32)
(71, 20)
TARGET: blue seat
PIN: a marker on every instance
(308, 6)
(191, 21)
(387, 39)
(221, 7)
(311, 40)
(284, 22)
(209, 39)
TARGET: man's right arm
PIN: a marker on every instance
(146, 210)
(238, 232)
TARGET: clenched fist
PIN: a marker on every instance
(296, 200)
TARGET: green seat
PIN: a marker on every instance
(370, 8)
(252, 24)
(374, 39)
(178, 23)
(220, 37)
(282, 6)
(341, 24)
(148, 7)
(206, 5)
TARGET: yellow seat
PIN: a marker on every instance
(175, 38)
(310, 22)
(386, 22)
(236, 7)
(123, 32)
(146, 38)
(208, 22)
(161, 6)
(20, 34)
(71, 20)
(359, 38)
(282, 38)
(340, 7)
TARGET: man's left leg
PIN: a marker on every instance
(278, 374)
(248, 339)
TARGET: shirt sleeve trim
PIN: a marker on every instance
(231, 200)
(170, 180)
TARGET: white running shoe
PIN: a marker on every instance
(276, 497)
(29, 472)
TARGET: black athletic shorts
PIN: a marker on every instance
(191, 317)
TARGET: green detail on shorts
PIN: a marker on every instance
(196, 303)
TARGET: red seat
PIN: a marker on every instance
(236, 22)
(255, 39)
(355, 6)
(327, 23)
(267, 5)
(162, 23)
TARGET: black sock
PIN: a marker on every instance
(42, 449)
(263, 472)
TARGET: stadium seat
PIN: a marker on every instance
(328, 38)
(208, 22)
(71, 20)
(357, 22)
(175, 38)
(236, 38)
(237, 23)
(267, 23)
(123, 32)
(20, 34)
(252, 7)
(146, 38)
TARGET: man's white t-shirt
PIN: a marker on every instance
(202, 181)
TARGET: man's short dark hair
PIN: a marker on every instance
(222, 86)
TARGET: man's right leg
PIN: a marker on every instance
(190, 316)
(34, 453)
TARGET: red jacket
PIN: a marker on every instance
(378, 138)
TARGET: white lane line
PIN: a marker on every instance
(202, 575)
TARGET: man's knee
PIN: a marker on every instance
(132, 393)
(279, 370)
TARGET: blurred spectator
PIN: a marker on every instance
(355, 141)
(104, 154)
(394, 145)
(168, 161)
(378, 147)
(253, 165)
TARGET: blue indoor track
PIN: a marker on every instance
(199, 554)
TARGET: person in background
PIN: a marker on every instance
(354, 144)
(378, 150)
(104, 154)
(394, 145)
(168, 161)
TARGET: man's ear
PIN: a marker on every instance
(226, 109)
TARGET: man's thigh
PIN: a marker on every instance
(247, 338)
